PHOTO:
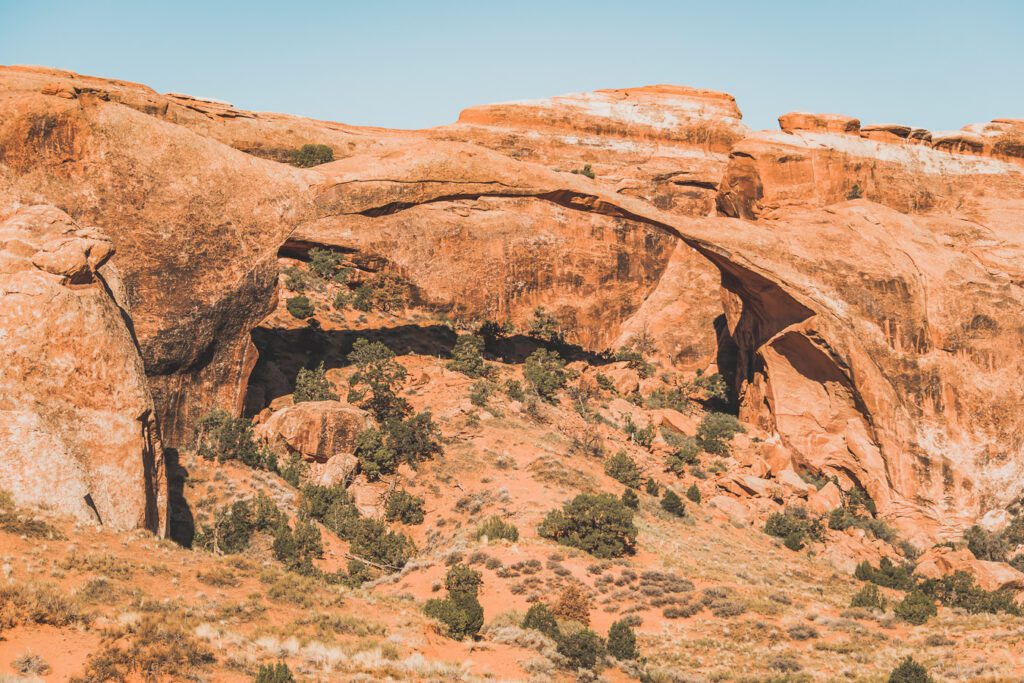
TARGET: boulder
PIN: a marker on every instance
(791, 481)
(77, 422)
(941, 561)
(675, 421)
(625, 380)
(733, 508)
(337, 470)
(826, 500)
(995, 520)
(316, 430)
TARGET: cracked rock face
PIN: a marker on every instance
(77, 426)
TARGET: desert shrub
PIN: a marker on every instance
(915, 608)
(381, 451)
(630, 499)
(385, 292)
(869, 597)
(585, 171)
(310, 155)
(295, 470)
(544, 372)
(622, 641)
(313, 385)
(495, 528)
(327, 264)
(854, 192)
(540, 618)
(299, 280)
(693, 493)
(461, 611)
(372, 540)
(711, 386)
(574, 603)
(623, 469)
(479, 392)
(673, 504)
(584, 649)
(635, 360)
(404, 507)
(651, 487)
(686, 454)
(467, 356)
(30, 664)
(641, 436)
(234, 525)
(219, 577)
(274, 673)
(676, 398)
(300, 307)
(514, 390)
(1017, 562)
(802, 632)
(222, 437)
(960, 590)
(986, 545)
(715, 431)
(374, 383)
(597, 523)
(298, 547)
(887, 575)
(794, 526)
(909, 671)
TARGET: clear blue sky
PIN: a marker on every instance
(934, 64)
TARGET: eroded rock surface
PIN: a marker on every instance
(77, 426)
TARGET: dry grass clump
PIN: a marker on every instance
(219, 577)
(14, 520)
(157, 647)
(37, 604)
(105, 565)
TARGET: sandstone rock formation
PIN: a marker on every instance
(942, 561)
(316, 430)
(870, 280)
(77, 427)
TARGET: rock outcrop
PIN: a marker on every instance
(77, 426)
(315, 430)
(871, 280)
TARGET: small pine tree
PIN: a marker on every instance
(540, 618)
(630, 499)
(467, 356)
(909, 671)
(869, 597)
(623, 469)
(693, 493)
(715, 431)
(313, 385)
(404, 507)
(544, 371)
(622, 641)
(461, 611)
(916, 608)
(584, 649)
(673, 504)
